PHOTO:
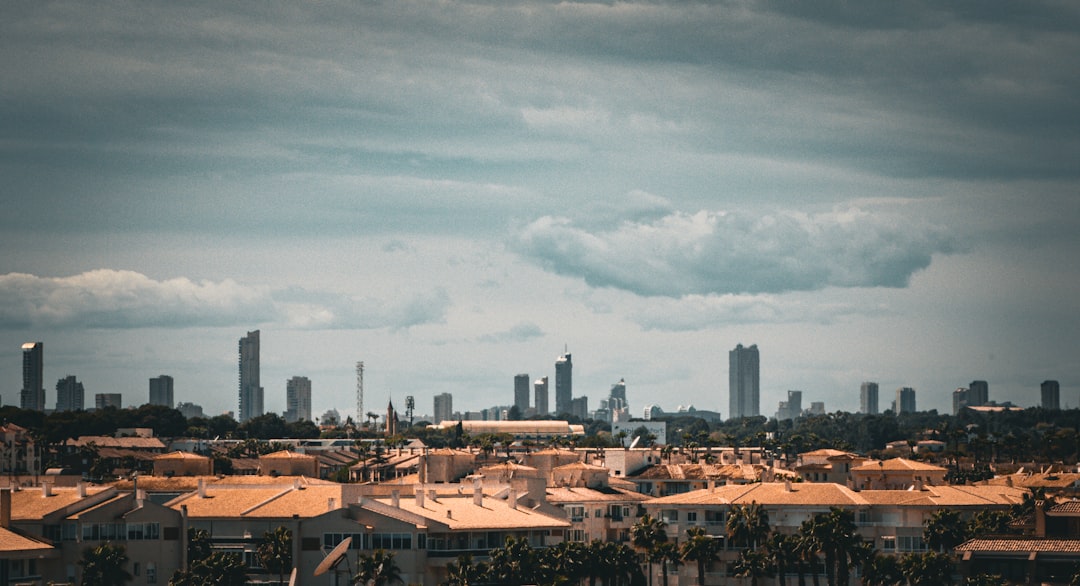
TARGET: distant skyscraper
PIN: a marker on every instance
(70, 395)
(298, 399)
(564, 384)
(617, 397)
(103, 400)
(1051, 394)
(540, 392)
(905, 400)
(792, 408)
(251, 394)
(190, 410)
(959, 400)
(816, 408)
(868, 398)
(521, 392)
(33, 374)
(444, 408)
(161, 391)
(744, 382)
(978, 393)
(579, 407)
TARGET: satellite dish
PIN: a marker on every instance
(634, 443)
(334, 557)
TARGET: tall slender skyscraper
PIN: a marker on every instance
(70, 395)
(444, 407)
(978, 393)
(540, 392)
(251, 394)
(905, 400)
(298, 399)
(521, 393)
(744, 382)
(1051, 394)
(161, 391)
(33, 375)
(103, 400)
(868, 398)
(564, 384)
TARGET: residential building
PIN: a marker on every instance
(298, 399)
(522, 382)
(905, 400)
(744, 382)
(103, 400)
(1051, 394)
(251, 394)
(529, 429)
(868, 398)
(959, 400)
(20, 454)
(594, 508)
(161, 391)
(190, 410)
(564, 383)
(443, 408)
(32, 395)
(579, 407)
(70, 395)
(816, 408)
(896, 474)
(540, 395)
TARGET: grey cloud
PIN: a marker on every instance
(698, 312)
(113, 299)
(738, 252)
(518, 333)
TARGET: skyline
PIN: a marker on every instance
(458, 192)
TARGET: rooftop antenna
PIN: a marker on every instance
(360, 391)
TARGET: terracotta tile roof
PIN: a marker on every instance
(898, 464)
(308, 502)
(507, 467)
(286, 455)
(105, 441)
(98, 506)
(12, 543)
(825, 453)
(579, 465)
(1022, 545)
(190, 483)
(179, 455)
(769, 493)
(459, 513)
(1065, 508)
(30, 505)
(700, 472)
(562, 495)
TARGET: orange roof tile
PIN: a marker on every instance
(30, 505)
(459, 513)
(12, 543)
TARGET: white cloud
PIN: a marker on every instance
(115, 299)
(739, 252)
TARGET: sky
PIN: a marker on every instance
(455, 192)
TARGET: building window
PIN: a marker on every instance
(576, 513)
(669, 516)
(888, 544)
(135, 568)
(151, 573)
(691, 517)
(575, 535)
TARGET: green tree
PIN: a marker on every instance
(275, 552)
(701, 549)
(646, 534)
(747, 525)
(836, 537)
(463, 572)
(927, 569)
(944, 530)
(104, 565)
(751, 564)
(220, 568)
(198, 545)
(667, 554)
(783, 554)
(377, 569)
(882, 570)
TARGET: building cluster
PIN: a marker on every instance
(430, 506)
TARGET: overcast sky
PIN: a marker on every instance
(454, 192)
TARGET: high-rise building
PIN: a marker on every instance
(540, 395)
(579, 407)
(1051, 394)
(978, 393)
(792, 408)
(905, 400)
(564, 384)
(521, 393)
(298, 399)
(444, 408)
(161, 391)
(617, 396)
(251, 394)
(868, 398)
(103, 400)
(744, 382)
(816, 408)
(70, 395)
(190, 410)
(33, 375)
(959, 400)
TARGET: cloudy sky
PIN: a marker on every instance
(453, 192)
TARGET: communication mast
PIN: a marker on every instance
(359, 391)
(410, 404)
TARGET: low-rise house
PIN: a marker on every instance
(1049, 556)
(896, 474)
(286, 463)
(182, 464)
(666, 479)
(594, 508)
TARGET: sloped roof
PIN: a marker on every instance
(1022, 545)
(286, 455)
(582, 494)
(769, 493)
(460, 513)
(106, 441)
(31, 505)
(12, 544)
(180, 455)
(897, 465)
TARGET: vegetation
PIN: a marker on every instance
(104, 565)
(275, 552)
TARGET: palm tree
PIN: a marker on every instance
(222, 569)
(514, 562)
(808, 545)
(701, 548)
(944, 530)
(667, 553)
(377, 569)
(751, 563)
(647, 533)
(927, 569)
(104, 565)
(275, 552)
(882, 570)
(463, 572)
(747, 525)
(783, 554)
(198, 545)
(836, 537)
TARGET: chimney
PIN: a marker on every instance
(46, 489)
(449, 514)
(419, 497)
(202, 488)
(918, 484)
(512, 499)
(81, 486)
(431, 495)
(711, 484)
(787, 485)
(5, 507)
(331, 504)
(395, 499)
(478, 493)
(1040, 519)
(296, 484)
